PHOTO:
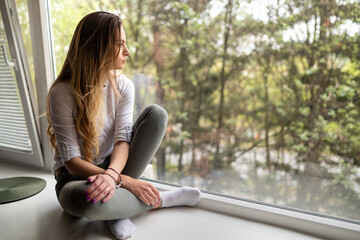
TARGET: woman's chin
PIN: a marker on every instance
(119, 67)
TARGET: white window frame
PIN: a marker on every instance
(24, 84)
(313, 224)
(40, 28)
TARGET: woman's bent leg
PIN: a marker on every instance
(123, 204)
(148, 133)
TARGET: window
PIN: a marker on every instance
(11, 104)
(19, 140)
(262, 97)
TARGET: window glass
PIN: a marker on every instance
(13, 126)
(23, 14)
(262, 96)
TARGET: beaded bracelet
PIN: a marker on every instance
(120, 182)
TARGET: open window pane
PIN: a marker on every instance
(14, 133)
(19, 139)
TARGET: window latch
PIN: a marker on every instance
(8, 63)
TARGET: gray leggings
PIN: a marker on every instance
(148, 132)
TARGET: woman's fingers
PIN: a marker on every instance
(145, 200)
(151, 196)
(108, 196)
(97, 193)
(101, 189)
(146, 192)
(101, 193)
(95, 182)
(91, 178)
(156, 192)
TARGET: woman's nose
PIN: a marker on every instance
(126, 52)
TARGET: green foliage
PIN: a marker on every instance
(343, 176)
(291, 79)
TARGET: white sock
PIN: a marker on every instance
(122, 228)
(184, 196)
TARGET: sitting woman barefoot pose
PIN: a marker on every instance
(100, 154)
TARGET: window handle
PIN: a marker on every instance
(10, 64)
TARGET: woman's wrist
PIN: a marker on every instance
(126, 181)
(107, 174)
(111, 173)
(116, 176)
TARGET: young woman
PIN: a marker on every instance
(100, 154)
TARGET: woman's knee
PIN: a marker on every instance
(158, 114)
(72, 198)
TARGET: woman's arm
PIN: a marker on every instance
(119, 156)
(79, 167)
(103, 181)
(143, 190)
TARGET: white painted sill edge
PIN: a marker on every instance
(313, 225)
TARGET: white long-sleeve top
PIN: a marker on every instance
(117, 123)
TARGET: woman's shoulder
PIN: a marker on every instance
(123, 83)
(60, 90)
(60, 87)
(121, 79)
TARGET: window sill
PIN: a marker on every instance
(307, 223)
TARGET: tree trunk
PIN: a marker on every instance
(183, 88)
(218, 163)
(267, 113)
(318, 84)
(160, 92)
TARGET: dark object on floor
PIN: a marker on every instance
(17, 188)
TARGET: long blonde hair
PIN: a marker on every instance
(91, 56)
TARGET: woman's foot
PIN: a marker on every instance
(122, 228)
(184, 196)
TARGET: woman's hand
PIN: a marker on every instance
(102, 188)
(142, 190)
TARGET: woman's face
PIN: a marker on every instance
(124, 51)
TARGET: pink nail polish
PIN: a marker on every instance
(86, 193)
(103, 201)
(94, 200)
(88, 199)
